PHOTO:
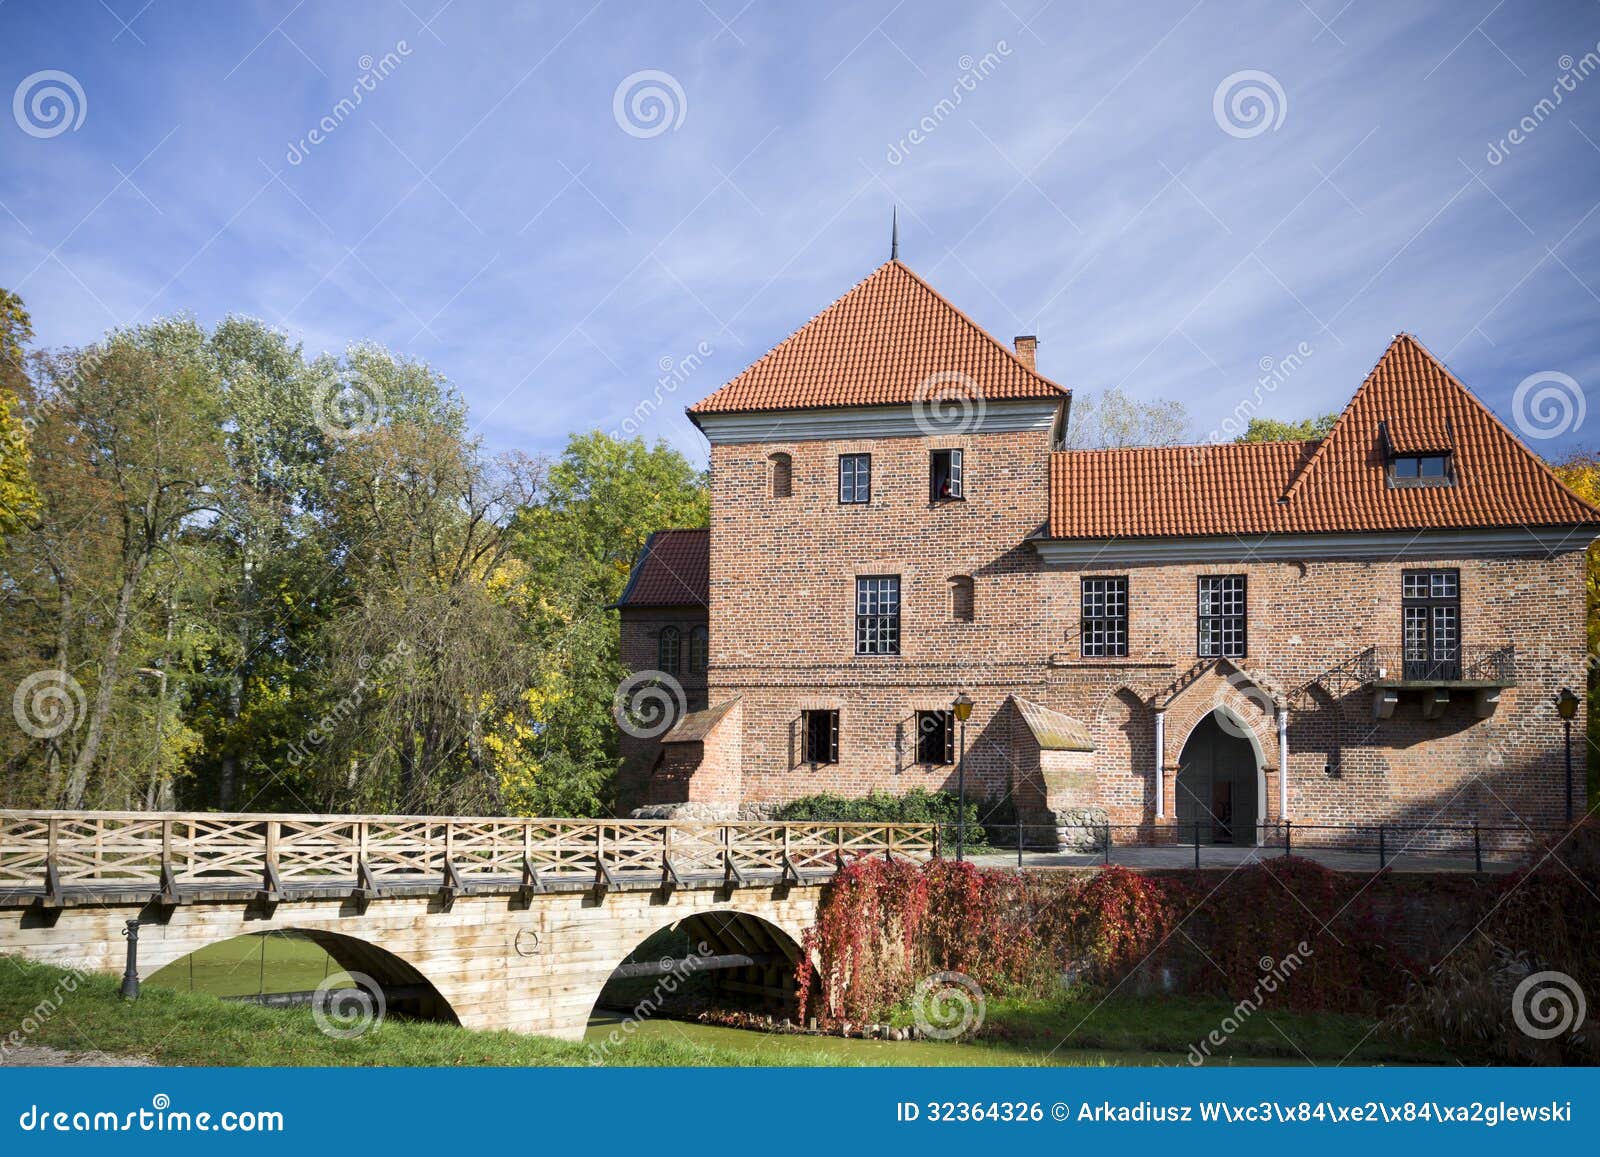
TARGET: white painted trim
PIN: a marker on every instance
(874, 422)
(1386, 545)
(1161, 755)
(1283, 764)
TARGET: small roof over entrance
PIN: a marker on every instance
(695, 726)
(1053, 730)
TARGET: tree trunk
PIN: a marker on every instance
(228, 780)
(78, 782)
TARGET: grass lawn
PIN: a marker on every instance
(175, 1027)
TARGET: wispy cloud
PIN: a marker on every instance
(482, 207)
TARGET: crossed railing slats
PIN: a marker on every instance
(57, 853)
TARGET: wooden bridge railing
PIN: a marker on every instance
(60, 852)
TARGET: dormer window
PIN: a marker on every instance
(1421, 470)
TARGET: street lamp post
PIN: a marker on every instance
(1567, 708)
(963, 710)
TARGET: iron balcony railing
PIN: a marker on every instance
(1407, 664)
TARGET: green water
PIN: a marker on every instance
(839, 1050)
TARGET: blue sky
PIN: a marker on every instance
(485, 207)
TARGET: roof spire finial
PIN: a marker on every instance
(894, 233)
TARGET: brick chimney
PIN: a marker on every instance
(1027, 346)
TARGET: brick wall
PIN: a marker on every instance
(640, 651)
(1306, 621)
(783, 574)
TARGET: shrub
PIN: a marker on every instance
(1543, 921)
(887, 924)
(917, 806)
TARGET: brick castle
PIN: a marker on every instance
(1373, 627)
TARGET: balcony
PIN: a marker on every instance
(1482, 672)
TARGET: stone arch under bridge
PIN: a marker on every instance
(519, 929)
(495, 961)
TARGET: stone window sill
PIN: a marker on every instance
(1064, 659)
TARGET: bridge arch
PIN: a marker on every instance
(749, 955)
(406, 989)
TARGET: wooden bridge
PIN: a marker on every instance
(494, 922)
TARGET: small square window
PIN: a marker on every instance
(946, 478)
(820, 736)
(936, 737)
(855, 478)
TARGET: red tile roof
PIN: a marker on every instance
(1337, 484)
(1171, 490)
(876, 346)
(673, 570)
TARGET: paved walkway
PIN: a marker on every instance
(40, 1056)
(1222, 856)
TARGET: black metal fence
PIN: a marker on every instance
(1206, 843)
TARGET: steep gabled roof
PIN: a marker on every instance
(1409, 403)
(1422, 406)
(876, 346)
(673, 570)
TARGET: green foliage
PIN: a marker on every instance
(1275, 430)
(600, 502)
(260, 581)
(917, 806)
(18, 498)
